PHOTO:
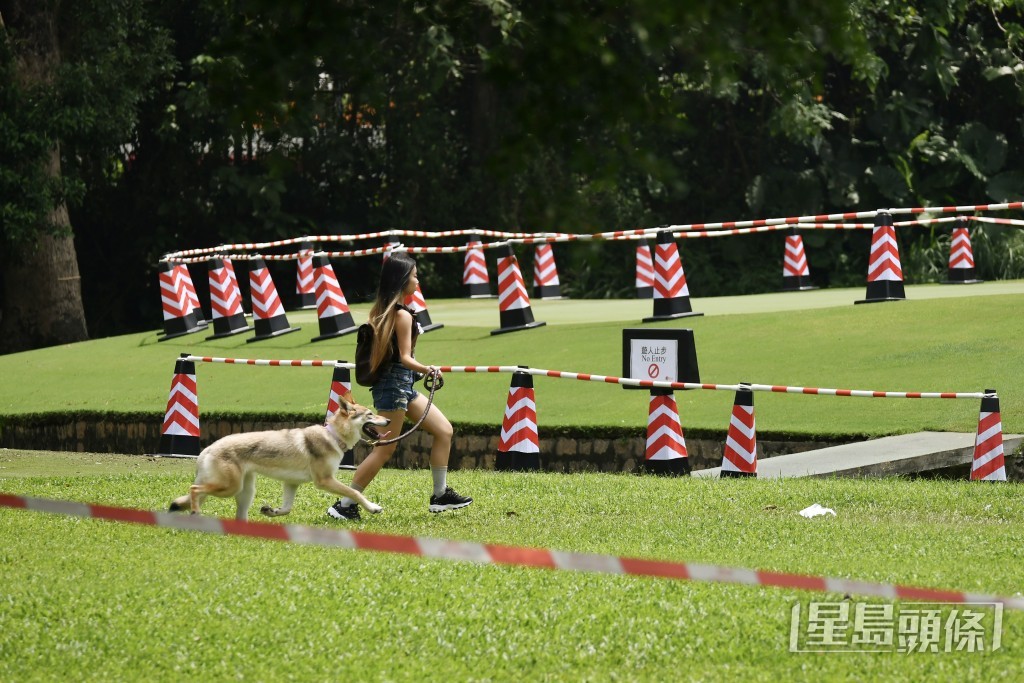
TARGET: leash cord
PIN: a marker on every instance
(432, 382)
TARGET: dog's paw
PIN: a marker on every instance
(374, 508)
(268, 511)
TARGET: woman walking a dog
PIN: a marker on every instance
(394, 348)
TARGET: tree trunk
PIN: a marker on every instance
(42, 291)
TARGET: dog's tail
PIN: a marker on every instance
(180, 503)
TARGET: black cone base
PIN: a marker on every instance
(796, 283)
(517, 462)
(670, 309)
(548, 292)
(527, 326)
(348, 460)
(884, 290)
(339, 333)
(336, 326)
(645, 292)
(274, 327)
(178, 445)
(179, 327)
(228, 327)
(961, 276)
(479, 290)
(426, 324)
(734, 474)
(304, 301)
(516, 319)
(676, 467)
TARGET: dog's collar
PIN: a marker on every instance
(334, 434)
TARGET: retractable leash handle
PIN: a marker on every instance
(432, 382)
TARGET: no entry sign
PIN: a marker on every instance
(662, 355)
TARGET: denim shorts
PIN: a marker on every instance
(393, 390)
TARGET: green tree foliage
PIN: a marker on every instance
(72, 75)
(281, 119)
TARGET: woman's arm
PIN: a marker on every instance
(403, 330)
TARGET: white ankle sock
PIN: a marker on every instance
(346, 501)
(440, 475)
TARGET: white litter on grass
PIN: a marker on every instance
(816, 511)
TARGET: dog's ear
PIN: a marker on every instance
(345, 400)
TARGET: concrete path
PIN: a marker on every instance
(905, 454)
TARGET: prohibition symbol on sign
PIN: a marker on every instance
(653, 371)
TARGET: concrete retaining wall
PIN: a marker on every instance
(469, 451)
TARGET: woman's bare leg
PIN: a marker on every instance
(372, 463)
(437, 425)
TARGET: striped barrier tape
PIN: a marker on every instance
(522, 238)
(484, 553)
(250, 246)
(997, 221)
(778, 223)
(608, 379)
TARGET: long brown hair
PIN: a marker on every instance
(394, 277)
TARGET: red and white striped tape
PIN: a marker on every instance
(485, 553)
(997, 221)
(179, 256)
(625, 381)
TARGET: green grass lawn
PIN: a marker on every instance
(940, 339)
(89, 600)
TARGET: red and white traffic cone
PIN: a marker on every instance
(665, 453)
(739, 458)
(225, 302)
(305, 280)
(179, 315)
(514, 308)
(961, 256)
(267, 310)
(332, 309)
(989, 463)
(341, 388)
(179, 436)
(671, 293)
(644, 271)
(474, 271)
(185, 278)
(234, 278)
(519, 444)
(418, 304)
(885, 274)
(545, 273)
(796, 276)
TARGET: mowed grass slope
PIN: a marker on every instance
(961, 343)
(90, 600)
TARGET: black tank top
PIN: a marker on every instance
(395, 357)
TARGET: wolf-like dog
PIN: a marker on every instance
(229, 466)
